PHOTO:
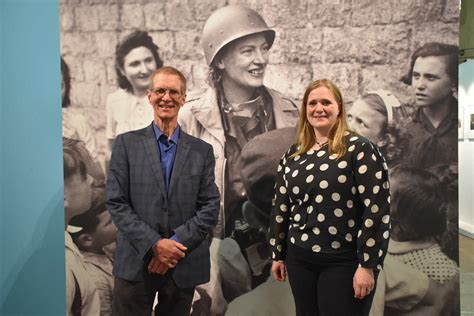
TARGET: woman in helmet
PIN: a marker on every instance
(237, 106)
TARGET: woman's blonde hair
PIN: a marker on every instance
(306, 136)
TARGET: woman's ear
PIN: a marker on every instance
(220, 64)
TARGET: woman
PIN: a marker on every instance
(76, 126)
(237, 106)
(375, 115)
(136, 58)
(330, 219)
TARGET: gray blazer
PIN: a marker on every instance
(144, 212)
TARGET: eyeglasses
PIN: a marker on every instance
(160, 92)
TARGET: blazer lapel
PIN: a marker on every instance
(179, 160)
(151, 148)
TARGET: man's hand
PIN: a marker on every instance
(169, 252)
(279, 271)
(156, 266)
(363, 282)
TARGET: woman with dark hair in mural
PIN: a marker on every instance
(136, 58)
(75, 125)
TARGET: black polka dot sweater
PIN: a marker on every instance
(333, 206)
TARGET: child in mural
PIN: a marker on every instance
(82, 297)
(75, 125)
(418, 215)
(236, 107)
(136, 58)
(97, 231)
(376, 115)
(433, 75)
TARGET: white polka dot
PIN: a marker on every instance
(351, 223)
(292, 239)
(378, 175)
(369, 223)
(309, 209)
(287, 169)
(323, 184)
(316, 230)
(361, 189)
(283, 207)
(359, 233)
(281, 235)
(350, 204)
(351, 148)
(386, 219)
(302, 162)
(336, 245)
(342, 179)
(310, 166)
(310, 152)
(376, 189)
(332, 230)
(336, 197)
(380, 253)
(362, 169)
(297, 217)
(273, 255)
(302, 227)
(348, 237)
(272, 241)
(388, 200)
(374, 208)
(366, 202)
(279, 168)
(385, 166)
(321, 217)
(282, 190)
(386, 234)
(342, 164)
(279, 248)
(296, 190)
(385, 185)
(279, 219)
(295, 173)
(360, 156)
(346, 133)
(353, 190)
(309, 178)
(370, 242)
(316, 248)
(374, 158)
(319, 198)
(353, 138)
(338, 212)
(366, 257)
(304, 237)
(333, 156)
(297, 157)
(321, 153)
(306, 198)
(324, 167)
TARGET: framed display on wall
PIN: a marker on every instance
(469, 122)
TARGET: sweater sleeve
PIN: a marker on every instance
(372, 183)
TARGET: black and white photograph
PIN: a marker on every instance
(247, 65)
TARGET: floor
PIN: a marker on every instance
(466, 265)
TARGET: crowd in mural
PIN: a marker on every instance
(251, 127)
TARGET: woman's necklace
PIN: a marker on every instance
(321, 144)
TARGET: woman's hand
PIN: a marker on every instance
(279, 271)
(363, 282)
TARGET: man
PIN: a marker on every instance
(163, 199)
(433, 126)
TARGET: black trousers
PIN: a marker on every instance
(323, 286)
(136, 298)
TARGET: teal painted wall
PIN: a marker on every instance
(32, 278)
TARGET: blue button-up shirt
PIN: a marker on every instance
(166, 152)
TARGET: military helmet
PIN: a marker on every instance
(230, 23)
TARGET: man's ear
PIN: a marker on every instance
(84, 241)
